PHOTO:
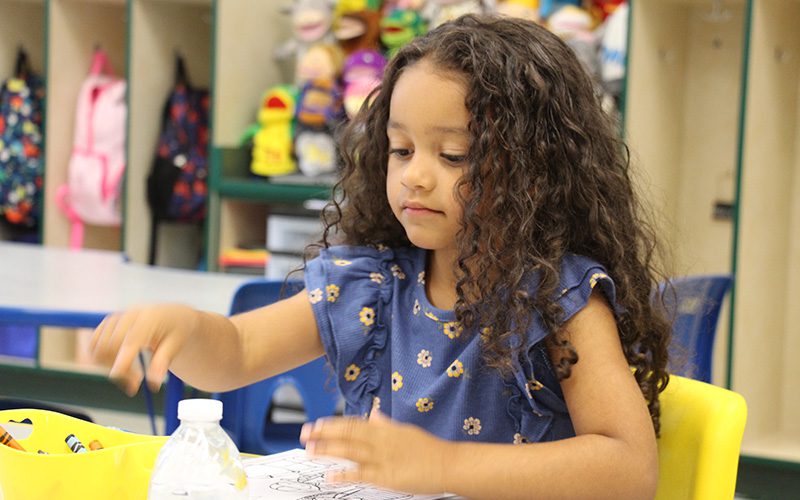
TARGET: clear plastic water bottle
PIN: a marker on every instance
(199, 461)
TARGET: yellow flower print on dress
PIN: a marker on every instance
(424, 358)
(421, 278)
(424, 405)
(315, 295)
(367, 316)
(472, 425)
(595, 277)
(520, 439)
(397, 381)
(341, 262)
(430, 315)
(452, 329)
(416, 307)
(333, 292)
(397, 272)
(455, 370)
(376, 277)
(351, 373)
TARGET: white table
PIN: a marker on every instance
(60, 287)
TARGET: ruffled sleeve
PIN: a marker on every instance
(579, 277)
(350, 289)
(545, 416)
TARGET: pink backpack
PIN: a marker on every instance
(97, 164)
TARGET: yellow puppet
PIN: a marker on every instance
(272, 144)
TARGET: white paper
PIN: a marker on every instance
(292, 475)
(18, 431)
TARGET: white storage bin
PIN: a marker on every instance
(287, 233)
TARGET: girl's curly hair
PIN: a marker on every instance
(547, 175)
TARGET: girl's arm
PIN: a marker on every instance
(208, 351)
(613, 455)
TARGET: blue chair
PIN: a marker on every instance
(246, 415)
(694, 309)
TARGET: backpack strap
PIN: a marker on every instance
(100, 63)
(22, 68)
(181, 77)
(76, 224)
(151, 258)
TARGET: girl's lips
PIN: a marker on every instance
(419, 210)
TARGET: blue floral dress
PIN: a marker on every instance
(392, 350)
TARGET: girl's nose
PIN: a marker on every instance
(418, 174)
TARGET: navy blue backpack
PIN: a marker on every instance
(177, 184)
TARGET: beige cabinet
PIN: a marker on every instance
(712, 120)
(228, 47)
(766, 337)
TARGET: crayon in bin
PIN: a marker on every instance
(95, 445)
(6, 439)
(74, 444)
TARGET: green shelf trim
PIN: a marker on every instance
(213, 161)
(254, 189)
(46, 80)
(125, 173)
(737, 196)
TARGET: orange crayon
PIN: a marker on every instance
(6, 439)
(95, 445)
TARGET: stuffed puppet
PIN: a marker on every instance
(311, 24)
(321, 61)
(400, 27)
(319, 112)
(272, 143)
(363, 71)
(357, 30)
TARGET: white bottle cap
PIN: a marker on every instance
(203, 410)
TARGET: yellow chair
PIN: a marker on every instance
(701, 434)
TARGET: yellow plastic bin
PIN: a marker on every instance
(121, 470)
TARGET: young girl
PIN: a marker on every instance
(488, 304)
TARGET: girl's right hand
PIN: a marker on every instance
(120, 337)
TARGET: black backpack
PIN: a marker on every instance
(177, 184)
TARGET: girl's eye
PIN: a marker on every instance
(399, 152)
(453, 158)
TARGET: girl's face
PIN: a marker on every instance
(428, 140)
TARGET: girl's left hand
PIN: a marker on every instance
(394, 455)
